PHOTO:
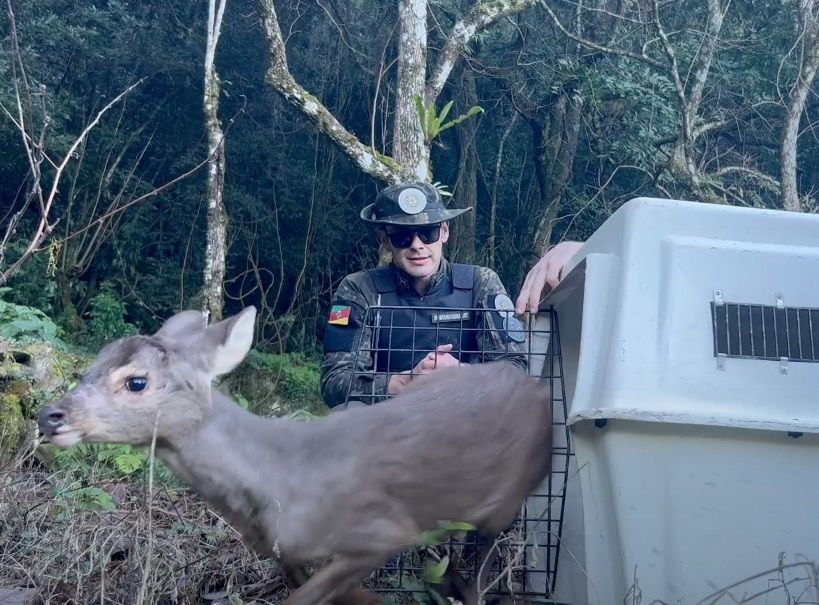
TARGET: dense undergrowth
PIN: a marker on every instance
(106, 523)
(80, 536)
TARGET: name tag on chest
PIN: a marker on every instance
(449, 316)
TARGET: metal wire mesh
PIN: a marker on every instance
(529, 549)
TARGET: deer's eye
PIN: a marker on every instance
(136, 383)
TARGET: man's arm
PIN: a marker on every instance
(501, 335)
(347, 365)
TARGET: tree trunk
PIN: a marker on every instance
(213, 300)
(493, 202)
(410, 149)
(555, 143)
(809, 64)
(466, 184)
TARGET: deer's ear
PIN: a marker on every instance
(182, 326)
(228, 341)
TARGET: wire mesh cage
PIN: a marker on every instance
(398, 338)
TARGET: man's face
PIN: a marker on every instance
(409, 250)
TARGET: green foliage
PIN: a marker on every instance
(435, 537)
(293, 207)
(434, 570)
(107, 461)
(20, 321)
(433, 124)
(86, 498)
(107, 321)
(303, 415)
(442, 189)
(281, 383)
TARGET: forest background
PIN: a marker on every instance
(167, 154)
(158, 155)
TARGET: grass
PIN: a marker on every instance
(88, 538)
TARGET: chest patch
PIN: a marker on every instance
(448, 316)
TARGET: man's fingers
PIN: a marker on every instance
(529, 289)
(536, 287)
(443, 349)
(553, 274)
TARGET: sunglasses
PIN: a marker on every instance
(403, 238)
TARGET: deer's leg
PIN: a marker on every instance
(486, 555)
(294, 576)
(335, 583)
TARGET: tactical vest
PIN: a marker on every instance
(418, 324)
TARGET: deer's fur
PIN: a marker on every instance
(466, 444)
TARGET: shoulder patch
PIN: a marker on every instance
(343, 325)
(503, 302)
(505, 309)
(339, 315)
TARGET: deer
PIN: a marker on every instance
(351, 489)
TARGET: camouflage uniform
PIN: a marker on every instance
(339, 367)
(348, 369)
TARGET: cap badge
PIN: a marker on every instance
(411, 200)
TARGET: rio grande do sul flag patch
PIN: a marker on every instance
(339, 315)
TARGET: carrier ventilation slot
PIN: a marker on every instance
(765, 332)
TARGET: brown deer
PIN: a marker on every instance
(354, 488)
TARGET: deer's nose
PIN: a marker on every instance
(50, 419)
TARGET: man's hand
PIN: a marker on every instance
(547, 272)
(434, 360)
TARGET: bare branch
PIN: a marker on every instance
(674, 70)
(151, 194)
(705, 56)
(281, 80)
(594, 45)
(766, 181)
(751, 110)
(481, 15)
(44, 228)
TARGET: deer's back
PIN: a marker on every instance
(465, 445)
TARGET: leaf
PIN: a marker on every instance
(89, 498)
(434, 574)
(431, 537)
(128, 463)
(452, 526)
(25, 325)
(434, 537)
(475, 109)
(432, 123)
(422, 112)
(445, 111)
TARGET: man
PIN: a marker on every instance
(391, 323)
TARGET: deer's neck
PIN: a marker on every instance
(235, 460)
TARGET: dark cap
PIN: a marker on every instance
(409, 204)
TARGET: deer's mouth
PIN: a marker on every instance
(66, 436)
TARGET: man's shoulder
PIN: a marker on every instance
(486, 282)
(476, 268)
(358, 277)
(483, 275)
(356, 285)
